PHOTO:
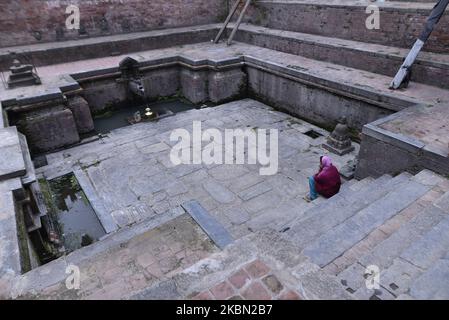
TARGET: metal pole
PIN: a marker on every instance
(239, 21)
(434, 18)
(230, 15)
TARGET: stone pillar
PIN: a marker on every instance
(81, 113)
(194, 85)
(226, 85)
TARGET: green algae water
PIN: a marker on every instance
(77, 221)
(119, 118)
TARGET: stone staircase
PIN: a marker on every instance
(399, 224)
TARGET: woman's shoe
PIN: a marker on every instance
(307, 198)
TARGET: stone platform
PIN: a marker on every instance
(149, 184)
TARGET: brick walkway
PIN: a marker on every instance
(254, 281)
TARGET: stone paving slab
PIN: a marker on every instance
(219, 235)
(433, 284)
(125, 268)
(126, 183)
(12, 163)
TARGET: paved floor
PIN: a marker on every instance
(132, 178)
(254, 281)
(123, 269)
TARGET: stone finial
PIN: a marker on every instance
(339, 142)
(22, 75)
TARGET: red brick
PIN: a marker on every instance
(239, 279)
(205, 295)
(289, 295)
(257, 269)
(256, 291)
(222, 291)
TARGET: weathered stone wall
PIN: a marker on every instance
(398, 26)
(378, 157)
(427, 72)
(313, 104)
(104, 94)
(26, 22)
(49, 128)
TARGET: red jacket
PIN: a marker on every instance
(328, 182)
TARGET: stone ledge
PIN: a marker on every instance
(12, 163)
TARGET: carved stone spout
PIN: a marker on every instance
(136, 87)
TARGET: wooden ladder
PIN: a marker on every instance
(228, 19)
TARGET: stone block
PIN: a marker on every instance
(194, 86)
(273, 284)
(161, 83)
(433, 284)
(226, 85)
(47, 130)
(12, 163)
(105, 94)
(219, 192)
(81, 112)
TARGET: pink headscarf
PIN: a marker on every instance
(326, 161)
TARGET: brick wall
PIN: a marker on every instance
(399, 27)
(34, 21)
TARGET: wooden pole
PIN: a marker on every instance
(230, 15)
(239, 21)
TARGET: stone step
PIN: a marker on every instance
(412, 222)
(291, 210)
(432, 245)
(360, 184)
(93, 260)
(432, 284)
(385, 252)
(443, 202)
(400, 22)
(261, 265)
(419, 257)
(345, 195)
(335, 242)
(65, 51)
(376, 58)
(338, 209)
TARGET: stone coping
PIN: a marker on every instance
(385, 100)
(387, 5)
(405, 142)
(430, 59)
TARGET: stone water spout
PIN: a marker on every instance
(129, 68)
(136, 87)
